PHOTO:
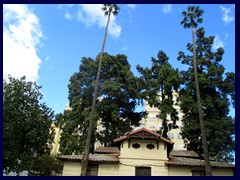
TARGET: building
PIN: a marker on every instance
(142, 152)
(55, 144)
(57, 135)
(154, 123)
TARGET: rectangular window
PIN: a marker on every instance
(152, 116)
(179, 136)
(143, 171)
(170, 136)
(152, 125)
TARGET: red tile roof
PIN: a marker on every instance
(146, 130)
(103, 158)
(107, 150)
(92, 157)
(180, 161)
(184, 153)
(71, 157)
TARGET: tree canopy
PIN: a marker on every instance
(26, 124)
(117, 99)
(46, 165)
(217, 89)
(157, 86)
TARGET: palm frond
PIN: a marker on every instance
(192, 17)
(110, 8)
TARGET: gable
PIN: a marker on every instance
(143, 133)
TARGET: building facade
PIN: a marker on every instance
(152, 122)
(142, 153)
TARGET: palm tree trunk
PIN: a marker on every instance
(202, 126)
(90, 127)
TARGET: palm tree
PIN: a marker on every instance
(191, 20)
(108, 10)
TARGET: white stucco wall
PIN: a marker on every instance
(143, 152)
(108, 170)
(71, 168)
(222, 172)
(179, 171)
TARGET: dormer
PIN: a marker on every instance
(144, 143)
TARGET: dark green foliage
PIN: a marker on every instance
(110, 8)
(26, 124)
(215, 92)
(192, 17)
(46, 165)
(118, 97)
(75, 122)
(157, 85)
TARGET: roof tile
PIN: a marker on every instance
(107, 150)
(184, 153)
(92, 157)
(180, 161)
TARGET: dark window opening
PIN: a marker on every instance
(136, 145)
(150, 146)
(143, 171)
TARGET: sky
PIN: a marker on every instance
(46, 42)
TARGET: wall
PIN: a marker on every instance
(127, 167)
(187, 171)
(152, 122)
(143, 152)
(71, 168)
(179, 171)
(143, 157)
(55, 144)
(222, 172)
(108, 170)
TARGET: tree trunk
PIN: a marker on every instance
(90, 127)
(202, 126)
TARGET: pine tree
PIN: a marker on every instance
(119, 96)
(158, 84)
(74, 122)
(217, 88)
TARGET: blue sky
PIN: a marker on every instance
(47, 42)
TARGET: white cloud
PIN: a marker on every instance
(91, 14)
(21, 35)
(68, 16)
(131, 6)
(217, 43)
(227, 17)
(167, 8)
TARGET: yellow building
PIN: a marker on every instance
(152, 122)
(55, 145)
(142, 152)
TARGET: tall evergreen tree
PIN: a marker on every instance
(74, 122)
(216, 92)
(108, 10)
(115, 106)
(158, 84)
(191, 20)
(119, 97)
